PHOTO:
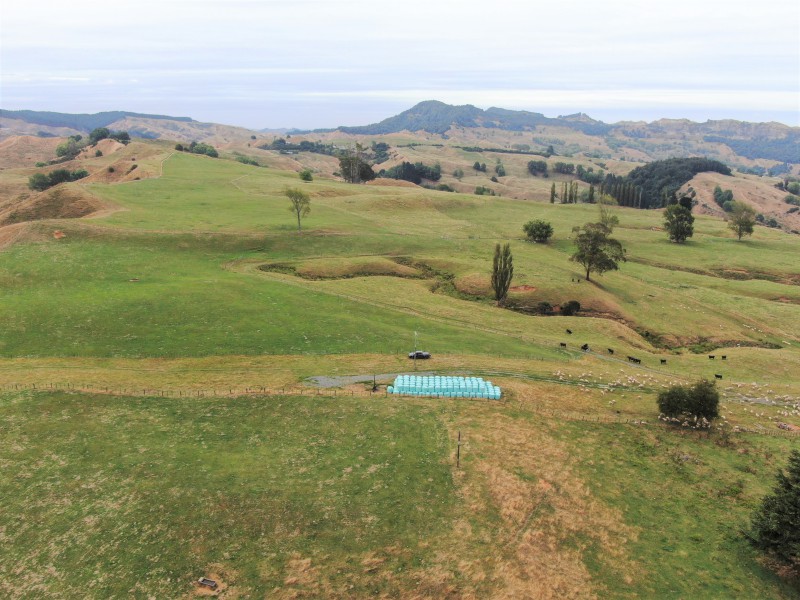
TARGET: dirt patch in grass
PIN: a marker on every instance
(522, 288)
(549, 523)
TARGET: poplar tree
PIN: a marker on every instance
(502, 272)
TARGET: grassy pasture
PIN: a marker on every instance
(178, 231)
(297, 496)
(287, 497)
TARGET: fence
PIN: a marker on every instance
(299, 391)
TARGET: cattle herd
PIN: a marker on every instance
(638, 361)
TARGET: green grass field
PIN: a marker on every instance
(114, 496)
(201, 282)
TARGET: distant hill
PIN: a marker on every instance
(659, 139)
(80, 122)
(179, 129)
(437, 117)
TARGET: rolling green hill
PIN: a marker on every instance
(160, 420)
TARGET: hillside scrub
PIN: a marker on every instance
(414, 173)
(40, 182)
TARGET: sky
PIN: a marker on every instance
(325, 63)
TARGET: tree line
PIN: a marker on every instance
(40, 181)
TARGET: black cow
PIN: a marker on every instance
(585, 347)
(711, 356)
(611, 351)
(663, 361)
(717, 376)
(724, 357)
(563, 345)
(569, 331)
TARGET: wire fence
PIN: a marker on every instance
(307, 392)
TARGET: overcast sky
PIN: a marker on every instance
(323, 63)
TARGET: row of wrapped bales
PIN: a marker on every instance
(445, 387)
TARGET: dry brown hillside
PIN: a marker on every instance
(758, 192)
(117, 163)
(66, 201)
(15, 127)
(26, 151)
(182, 131)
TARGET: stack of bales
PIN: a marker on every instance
(444, 387)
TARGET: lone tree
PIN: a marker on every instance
(538, 231)
(306, 175)
(354, 168)
(596, 251)
(698, 402)
(502, 272)
(679, 222)
(301, 203)
(776, 524)
(742, 219)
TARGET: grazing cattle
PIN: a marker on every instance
(569, 331)
(585, 347)
(611, 351)
(635, 360)
(717, 376)
(724, 357)
(711, 356)
(663, 361)
(563, 345)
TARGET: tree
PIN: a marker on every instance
(502, 272)
(776, 524)
(301, 203)
(38, 182)
(354, 168)
(553, 193)
(538, 231)
(607, 218)
(696, 402)
(537, 166)
(570, 308)
(742, 220)
(98, 134)
(596, 251)
(306, 175)
(458, 174)
(679, 222)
